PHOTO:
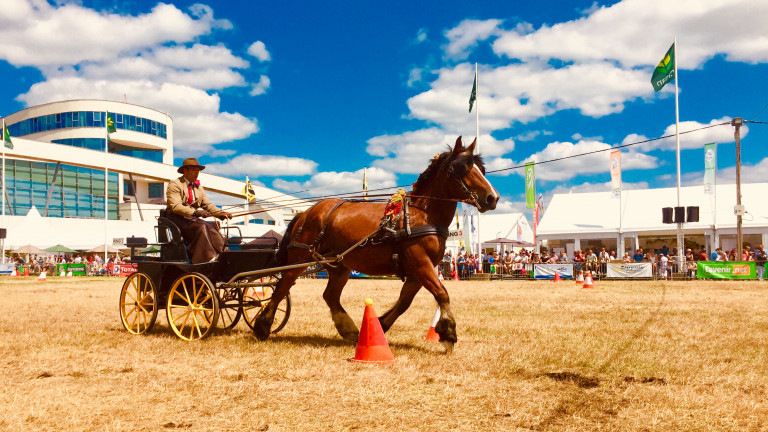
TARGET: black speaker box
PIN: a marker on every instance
(693, 214)
(679, 214)
(666, 214)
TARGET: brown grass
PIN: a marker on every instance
(636, 356)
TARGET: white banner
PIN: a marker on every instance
(547, 271)
(629, 270)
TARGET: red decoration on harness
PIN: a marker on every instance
(395, 204)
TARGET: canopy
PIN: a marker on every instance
(510, 242)
(29, 249)
(60, 249)
(149, 249)
(272, 233)
(100, 249)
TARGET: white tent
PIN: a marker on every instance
(512, 226)
(582, 216)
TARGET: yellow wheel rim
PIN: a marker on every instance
(138, 303)
(192, 307)
(255, 299)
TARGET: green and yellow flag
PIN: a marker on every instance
(665, 71)
(110, 125)
(248, 192)
(7, 137)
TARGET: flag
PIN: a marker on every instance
(530, 185)
(473, 96)
(665, 71)
(615, 173)
(7, 137)
(710, 167)
(110, 126)
(248, 192)
(466, 234)
(365, 185)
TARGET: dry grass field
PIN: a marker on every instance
(626, 356)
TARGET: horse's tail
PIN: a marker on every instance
(281, 256)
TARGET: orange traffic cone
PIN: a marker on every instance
(580, 280)
(440, 276)
(557, 276)
(588, 283)
(372, 346)
(43, 276)
(455, 275)
(26, 272)
(432, 334)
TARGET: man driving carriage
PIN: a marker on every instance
(187, 205)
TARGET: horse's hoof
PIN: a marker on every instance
(258, 331)
(350, 336)
(448, 347)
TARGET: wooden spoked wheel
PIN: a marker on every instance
(193, 307)
(230, 309)
(138, 304)
(255, 299)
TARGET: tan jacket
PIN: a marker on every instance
(178, 195)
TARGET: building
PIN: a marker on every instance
(594, 220)
(54, 176)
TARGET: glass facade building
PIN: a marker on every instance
(79, 119)
(58, 190)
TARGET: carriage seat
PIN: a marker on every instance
(172, 246)
(254, 243)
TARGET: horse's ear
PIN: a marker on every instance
(471, 148)
(458, 147)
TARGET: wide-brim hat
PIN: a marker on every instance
(189, 162)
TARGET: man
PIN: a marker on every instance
(187, 204)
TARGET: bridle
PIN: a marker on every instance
(471, 197)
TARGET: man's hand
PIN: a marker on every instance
(201, 213)
(223, 215)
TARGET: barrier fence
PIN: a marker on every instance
(673, 270)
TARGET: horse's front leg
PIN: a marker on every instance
(446, 325)
(337, 278)
(407, 293)
(262, 325)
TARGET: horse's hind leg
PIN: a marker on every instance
(407, 293)
(262, 325)
(337, 278)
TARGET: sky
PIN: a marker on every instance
(301, 96)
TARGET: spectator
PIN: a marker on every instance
(663, 264)
(760, 260)
(639, 255)
(627, 258)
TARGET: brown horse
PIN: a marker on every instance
(333, 226)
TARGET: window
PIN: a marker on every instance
(129, 188)
(156, 190)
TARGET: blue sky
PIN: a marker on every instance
(302, 95)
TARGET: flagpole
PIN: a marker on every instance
(477, 143)
(680, 233)
(106, 189)
(4, 203)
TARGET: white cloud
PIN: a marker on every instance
(35, 33)
(415, 76)
(564, 166)
(330, 183)
(260, 87)
(259, 50)
(620, 32)
(467, 34)
(524, 92)
(255, 166)
(421, 36)
(410, 152)
(693, 135)
(161, 64)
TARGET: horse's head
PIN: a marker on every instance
(465, 172)
(469, 172)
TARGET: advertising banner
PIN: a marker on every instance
(122, 269)
(79, 269)
(629, 270)
(726, 270)
(547, 271)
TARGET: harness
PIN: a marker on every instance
(386, 233)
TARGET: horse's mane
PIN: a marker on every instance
(443, 160)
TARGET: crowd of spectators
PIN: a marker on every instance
(94, 263)
(664, 261)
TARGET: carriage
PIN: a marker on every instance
(199, 297)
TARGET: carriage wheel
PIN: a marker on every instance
(138, 303)
(230, 309)
(255, 299)
(193, 307)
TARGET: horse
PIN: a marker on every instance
(334, 225)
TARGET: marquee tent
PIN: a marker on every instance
(573, 218)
